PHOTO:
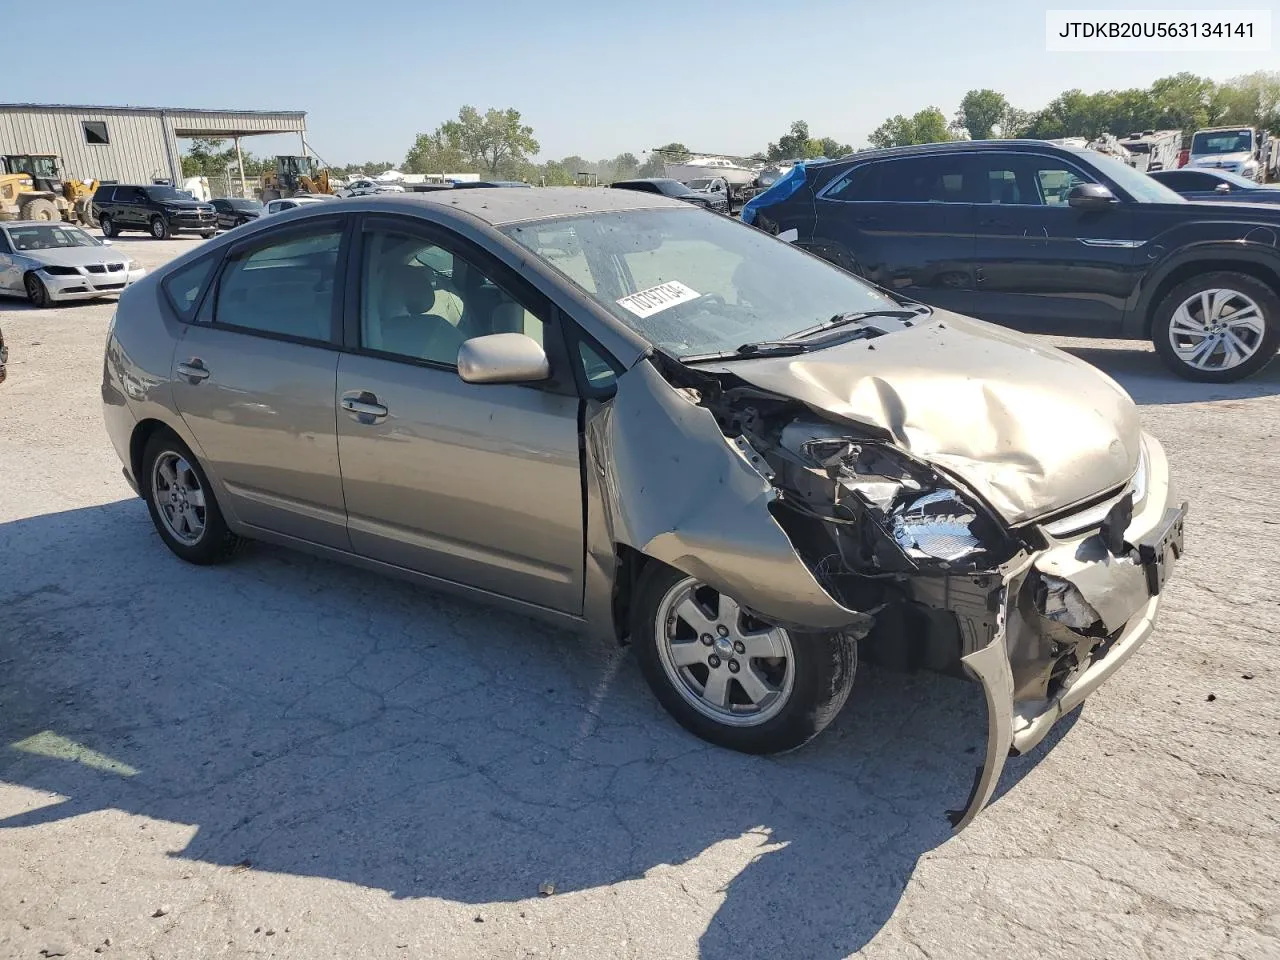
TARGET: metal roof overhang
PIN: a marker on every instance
(217, 124)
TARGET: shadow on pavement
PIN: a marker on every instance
(317, 720)
(1140, 371)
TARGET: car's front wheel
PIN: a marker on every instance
(37, 293)
(729, 677)
(160, 228)
(1217, 327)
(107, 225)
(181, 502)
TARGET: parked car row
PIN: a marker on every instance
(1047, 238)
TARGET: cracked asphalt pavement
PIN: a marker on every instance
(287, 757)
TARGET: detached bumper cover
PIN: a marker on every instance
(1122, 593)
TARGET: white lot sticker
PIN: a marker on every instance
(645, 303)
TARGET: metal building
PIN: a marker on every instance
(130, 144)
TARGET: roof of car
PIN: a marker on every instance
(951, 146)
(499, 207)
(10, 224)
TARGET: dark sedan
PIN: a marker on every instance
(667, 187)
(233, 212)
(1217, 185)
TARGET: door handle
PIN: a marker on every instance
(194, 370)
(363, 406)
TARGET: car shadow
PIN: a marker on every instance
(313, 719)
(1140, 371)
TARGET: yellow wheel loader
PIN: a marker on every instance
(32, 188)
(293, 176)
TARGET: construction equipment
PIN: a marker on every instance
(35, 190)
(293, 176)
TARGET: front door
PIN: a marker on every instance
(1041, 264)
(10, 272)
(475, 483)
(255, 379)
(903, 224)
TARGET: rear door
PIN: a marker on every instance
(479, 484)
(1040, 264)
(254, 380)
(904, 224)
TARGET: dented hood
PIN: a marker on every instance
(1029, 428)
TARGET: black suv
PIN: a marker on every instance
(232, 212)
(676, 190)
(1048, 239)
(160, 210)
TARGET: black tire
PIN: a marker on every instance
(208, 236)
(823, 677)
(107, 226)
(37, 293)
(1263, 296)
(46, 211)
(159, 227)
(217, 543)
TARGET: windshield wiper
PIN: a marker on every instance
(842, 319)
(751, 351)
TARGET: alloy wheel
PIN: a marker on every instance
(179, 497)
(1216, 329)
(726, 664)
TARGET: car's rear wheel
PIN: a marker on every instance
(181, 502)
(1217, 327)
(107, 225)
(37, 293)
(730, 678)
(160, 228)
(208, 235)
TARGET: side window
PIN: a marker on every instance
(858, 184)
(4, 243)
(923, 180)
(95, 133)
(1198, 181)
(1002, 187)
(104, 195)
(283, 287)
(599, 372)
(1054, 181)
(184, 287)
(420, 301)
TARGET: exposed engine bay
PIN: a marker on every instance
(942, 581)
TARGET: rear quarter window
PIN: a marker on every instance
(185, 287)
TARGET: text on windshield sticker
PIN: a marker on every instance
(645, 303)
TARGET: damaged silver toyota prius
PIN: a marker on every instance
(624, 414)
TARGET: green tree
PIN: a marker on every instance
(1253, 100)
(798, 144)
(981, 112)
(926, 126)
(1184, 102)
(625, 166)
(496, 142)
(1016, 123)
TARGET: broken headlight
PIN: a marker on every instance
(890, 508)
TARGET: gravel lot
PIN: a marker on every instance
(286, 757)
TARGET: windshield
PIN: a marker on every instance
(245, 204)
(690, 283)
(1137, 184)
(45, 167)
(1225, 141)
(702, 183)
(163, 194)
(49, 238)
(1137, 147)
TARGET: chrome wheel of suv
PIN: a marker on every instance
(1216, 329)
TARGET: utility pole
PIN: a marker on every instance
(240, 164)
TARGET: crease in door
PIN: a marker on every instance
(337, 443)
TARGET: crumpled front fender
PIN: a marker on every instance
(677, 490)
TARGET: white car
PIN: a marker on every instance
(50, 262)
(366, 187)
(290, 203)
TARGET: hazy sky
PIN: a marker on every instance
(592, 79)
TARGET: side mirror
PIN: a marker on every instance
(1222, 188)
(502, 358)
(1090, 196)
